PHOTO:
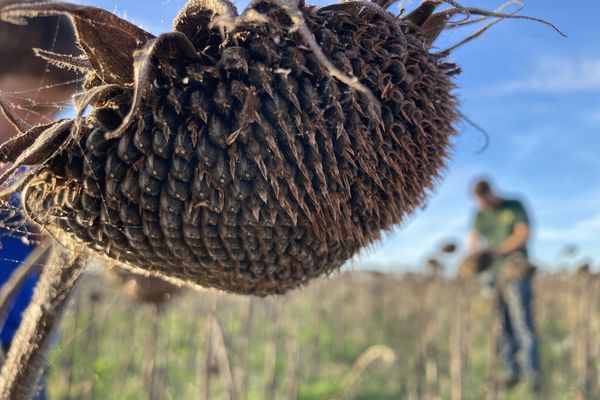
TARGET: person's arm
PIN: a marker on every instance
(520, 235)
(474, 241)
(516, 241)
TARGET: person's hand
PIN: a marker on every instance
(476, 263)
(494, 253)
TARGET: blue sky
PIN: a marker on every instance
(537, 95)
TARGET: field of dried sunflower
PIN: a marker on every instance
(358, 335)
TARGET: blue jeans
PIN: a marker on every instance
(517, 330)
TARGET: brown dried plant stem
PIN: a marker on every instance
(493, 361)
(458, 352)
(292, 368)
(26, 357)
(274, 333)
(221, 354)
(241, 375)
(582, 340)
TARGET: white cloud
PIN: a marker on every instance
(525, 145)
(581, 230)
(557, 74)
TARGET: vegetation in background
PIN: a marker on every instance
(358, 335)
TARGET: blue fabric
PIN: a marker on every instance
(518, 331)
(13, 252)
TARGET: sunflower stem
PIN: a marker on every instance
(26, 357)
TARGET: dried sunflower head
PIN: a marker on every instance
(144, 289)
(249, 152)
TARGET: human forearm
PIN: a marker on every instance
(516, 241)
(474, 243)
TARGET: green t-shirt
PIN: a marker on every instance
(497, 224)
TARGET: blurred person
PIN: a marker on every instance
(36, 91)
(501, 232)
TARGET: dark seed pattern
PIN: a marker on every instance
(251, 169)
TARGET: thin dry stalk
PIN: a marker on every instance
(457, 349)
(27, 355)
(427, 342)
(152, 368)
(216, 356)
(582, 339)
(270, 371)
(595, 324)
(92, 338)
(293, 361)
(493, 362)
(242, 372)
(365, 359)
(194, 311)
(220, 352)
(74, 348)
(12, 287)
(164, 376)
(206, 371)
(316, 362)
(413, 389)
(431, 379)
(130, 362)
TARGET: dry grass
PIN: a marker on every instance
(434, 337)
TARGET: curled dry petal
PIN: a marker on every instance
(197, 14)
(7, 109)
(108, 40)
(35, 146)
